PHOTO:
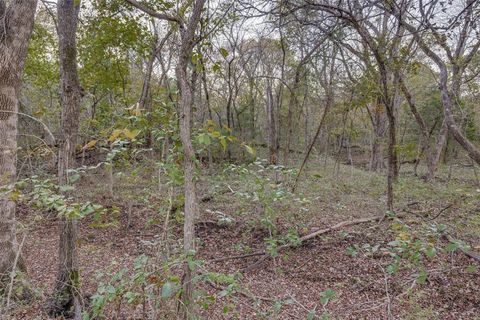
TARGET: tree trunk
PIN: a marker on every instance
(328, 105)
(145, 100)
(251, 84)
(15, 31)
(191, 203)
(65, 299)
(472, 150)
(272, 133)
(378, 119)
(459, 64)
(434, 152)
(293, 103)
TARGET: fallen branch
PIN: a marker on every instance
(472, 255)
(338, 226)
(238, 257)
(246, 294)
(264, 255)
(442, 210)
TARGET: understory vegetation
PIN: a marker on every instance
(239, 159)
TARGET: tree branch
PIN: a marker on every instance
(155, 14)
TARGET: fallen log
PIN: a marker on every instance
(264, 255)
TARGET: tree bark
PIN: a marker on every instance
(145, 99)
(15, 31)
(185, 108)
(185, 101)
(432, 152)
(459, 62)
(378, 120)
(272, 132)
(66, 296)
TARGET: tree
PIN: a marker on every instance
(293, 102)
(457, 55)
(66, 291)
(15, 32)
(384, 46)
(185, 104)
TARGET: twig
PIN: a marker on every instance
(45, 127)
(387, 293)
(301, 305)
(243, 293)
(441, 211)
(237, 257)
(13, 273)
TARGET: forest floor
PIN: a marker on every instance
(398, 268)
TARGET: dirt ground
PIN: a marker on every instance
(291, 285)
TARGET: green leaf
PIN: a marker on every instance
(352, 251)
(66, 188)
(422, 277)
(74, 177)
(224, 52)
(204, 139)
(167, 290)
(471, 268)
(326, 296)
(441, 227)
(223, 142)
(431, 252)
(452, 247)
(311, 315)
(216, 67)
(130, 134)
(130, 296)
(250, 150)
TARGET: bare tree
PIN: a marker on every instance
(384, 48)
(293, 102)
(456, 56)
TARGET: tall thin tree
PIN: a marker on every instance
(66, 292)
(185, 104)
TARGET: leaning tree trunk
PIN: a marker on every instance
(459, 65)
(15, 31)
(66, 292)
(432, 152)
(472, 150)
